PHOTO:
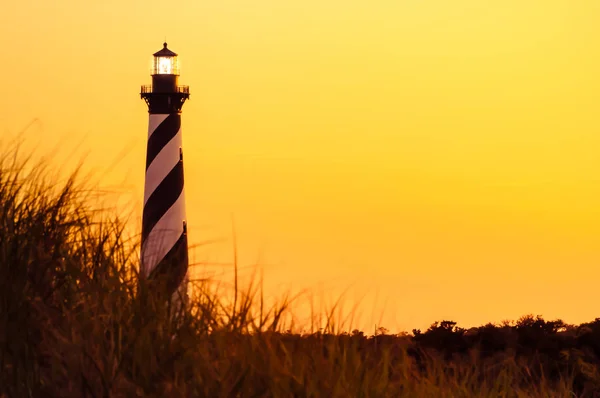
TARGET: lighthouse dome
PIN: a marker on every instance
(165, 52)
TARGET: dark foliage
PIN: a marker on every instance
(75, 320)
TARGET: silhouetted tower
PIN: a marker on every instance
(164, 231)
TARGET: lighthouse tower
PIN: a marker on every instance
(164, 233)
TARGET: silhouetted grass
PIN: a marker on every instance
(76, 321)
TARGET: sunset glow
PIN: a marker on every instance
(438, 159)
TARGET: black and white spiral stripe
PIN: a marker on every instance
(164, 234)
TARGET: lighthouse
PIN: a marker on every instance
(164, 251)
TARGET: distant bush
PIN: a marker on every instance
(76, 321)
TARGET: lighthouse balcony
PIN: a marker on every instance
(148, 89)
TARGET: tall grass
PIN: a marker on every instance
(76, 321)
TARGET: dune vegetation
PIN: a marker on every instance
(76, 321)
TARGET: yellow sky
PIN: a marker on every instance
(439, 157)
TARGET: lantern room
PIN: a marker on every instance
(165, 62)
(165, 95)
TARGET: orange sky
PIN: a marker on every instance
(439, 157)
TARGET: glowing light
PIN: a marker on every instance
(165, 65)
